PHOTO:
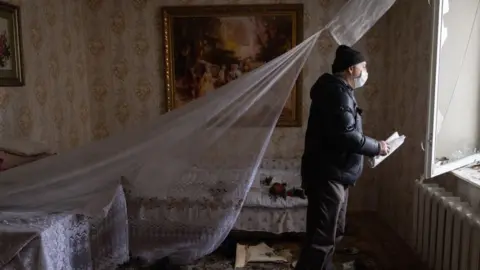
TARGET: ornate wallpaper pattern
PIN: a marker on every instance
(94, 68)
(53, 106)
(126, 69)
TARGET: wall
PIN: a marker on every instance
(467, 191)
(53, 105)
(373, 98)
(404, 107)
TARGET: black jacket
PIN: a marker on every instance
(334, 141)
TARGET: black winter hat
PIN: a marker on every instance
(346, 57)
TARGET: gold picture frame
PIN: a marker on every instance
(187, 30)
(11, 55)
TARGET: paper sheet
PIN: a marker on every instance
(259, 253)
(394, 141)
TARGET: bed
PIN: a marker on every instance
(178, 224)
(262, 213)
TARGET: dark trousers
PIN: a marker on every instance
(326, 212)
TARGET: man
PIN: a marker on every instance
(333, 155)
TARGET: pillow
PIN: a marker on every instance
(9, 160)
(23, 147)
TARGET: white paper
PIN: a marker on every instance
(394, 141)
(259, 253)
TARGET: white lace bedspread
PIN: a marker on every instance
(272, 220)
(179, 224)
(66, 241)
(190, 218)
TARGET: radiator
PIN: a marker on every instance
(446, 232)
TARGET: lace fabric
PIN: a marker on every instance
(67, 241)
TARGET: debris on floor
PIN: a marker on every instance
(359, 250)
(261, 253)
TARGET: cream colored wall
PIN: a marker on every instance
(404, 107)
(53, 106)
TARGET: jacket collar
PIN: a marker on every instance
(343, 81)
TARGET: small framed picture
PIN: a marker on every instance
(11, 58)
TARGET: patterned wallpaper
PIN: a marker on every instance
(94, 68)
(126, 69)
(53, 107)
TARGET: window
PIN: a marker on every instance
(453, 138)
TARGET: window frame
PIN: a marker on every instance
(431, 170)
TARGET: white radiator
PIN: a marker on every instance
(446, 231)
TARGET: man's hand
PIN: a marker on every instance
(384, 148)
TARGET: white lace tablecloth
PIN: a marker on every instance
(66, 241)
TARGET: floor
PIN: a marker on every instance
(378, 245)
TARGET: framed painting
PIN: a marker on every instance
(11, 62)
(206, 47)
